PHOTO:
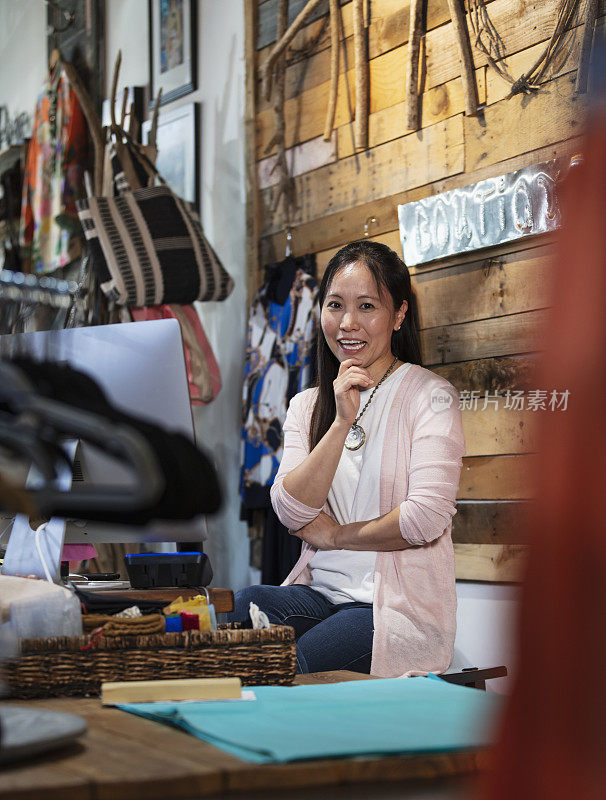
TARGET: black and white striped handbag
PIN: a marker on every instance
(147, 247)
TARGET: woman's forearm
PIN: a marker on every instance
(381, 534)
(310, 481)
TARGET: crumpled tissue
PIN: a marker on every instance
(258, 617)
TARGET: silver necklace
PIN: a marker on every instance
(357, 435)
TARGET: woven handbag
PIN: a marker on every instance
(147, 247)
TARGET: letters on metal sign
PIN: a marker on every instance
(521, 203)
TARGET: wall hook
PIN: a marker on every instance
(370, 221)
(288, 231)
(69, 17)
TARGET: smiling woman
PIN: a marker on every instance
(368, 481)
(366, 296)
(357, 319)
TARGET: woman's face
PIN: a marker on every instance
(358, 319)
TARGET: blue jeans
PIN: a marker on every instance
(328, 635)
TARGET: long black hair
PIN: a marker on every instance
(391, 275)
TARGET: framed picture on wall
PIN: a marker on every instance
(177, 161)
(81, 39)
(172, 49)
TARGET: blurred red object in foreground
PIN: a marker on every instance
(552, 739)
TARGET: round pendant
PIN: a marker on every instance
(355, 438)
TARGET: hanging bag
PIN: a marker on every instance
(147, 245)
(203, 375)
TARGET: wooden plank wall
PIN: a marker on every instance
(481, 313)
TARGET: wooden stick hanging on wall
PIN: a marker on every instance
(114, 89)
(583, 71)
(283, 41)
(361, 75)
(279, 88)
(94, 124)
(468, 76)
(334, 68)
(124, 106)
(152, 139)
(286, 185)
(412, 65)
(252, 180)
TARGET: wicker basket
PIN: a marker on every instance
(78, 665)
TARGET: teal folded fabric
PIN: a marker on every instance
(290, 723)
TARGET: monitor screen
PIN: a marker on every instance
(141, 368)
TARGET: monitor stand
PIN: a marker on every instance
(38, 553)
(35, 553)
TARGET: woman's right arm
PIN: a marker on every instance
(304, 479)
(311, 480)
(290, 511)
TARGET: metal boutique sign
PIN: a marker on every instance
(496, 210)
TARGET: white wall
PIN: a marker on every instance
(22, 54)
(486, 626)
(221, 161)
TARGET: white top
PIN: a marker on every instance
(345, 576)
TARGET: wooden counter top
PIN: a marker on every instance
(222, 599)
(126, 757)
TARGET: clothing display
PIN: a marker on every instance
(279, 550)
(54, 177)
(203, 375)
(414, 598)
(281, 336)
(279, 363)
(11, 191)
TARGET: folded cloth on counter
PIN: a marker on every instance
(357, 718)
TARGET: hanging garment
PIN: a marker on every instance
(203, 373)
(279, 364)
(12, 188)
(280, 550)
(54, 178)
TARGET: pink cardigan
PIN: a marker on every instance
(414, 602)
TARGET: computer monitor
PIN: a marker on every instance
(141, 368)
